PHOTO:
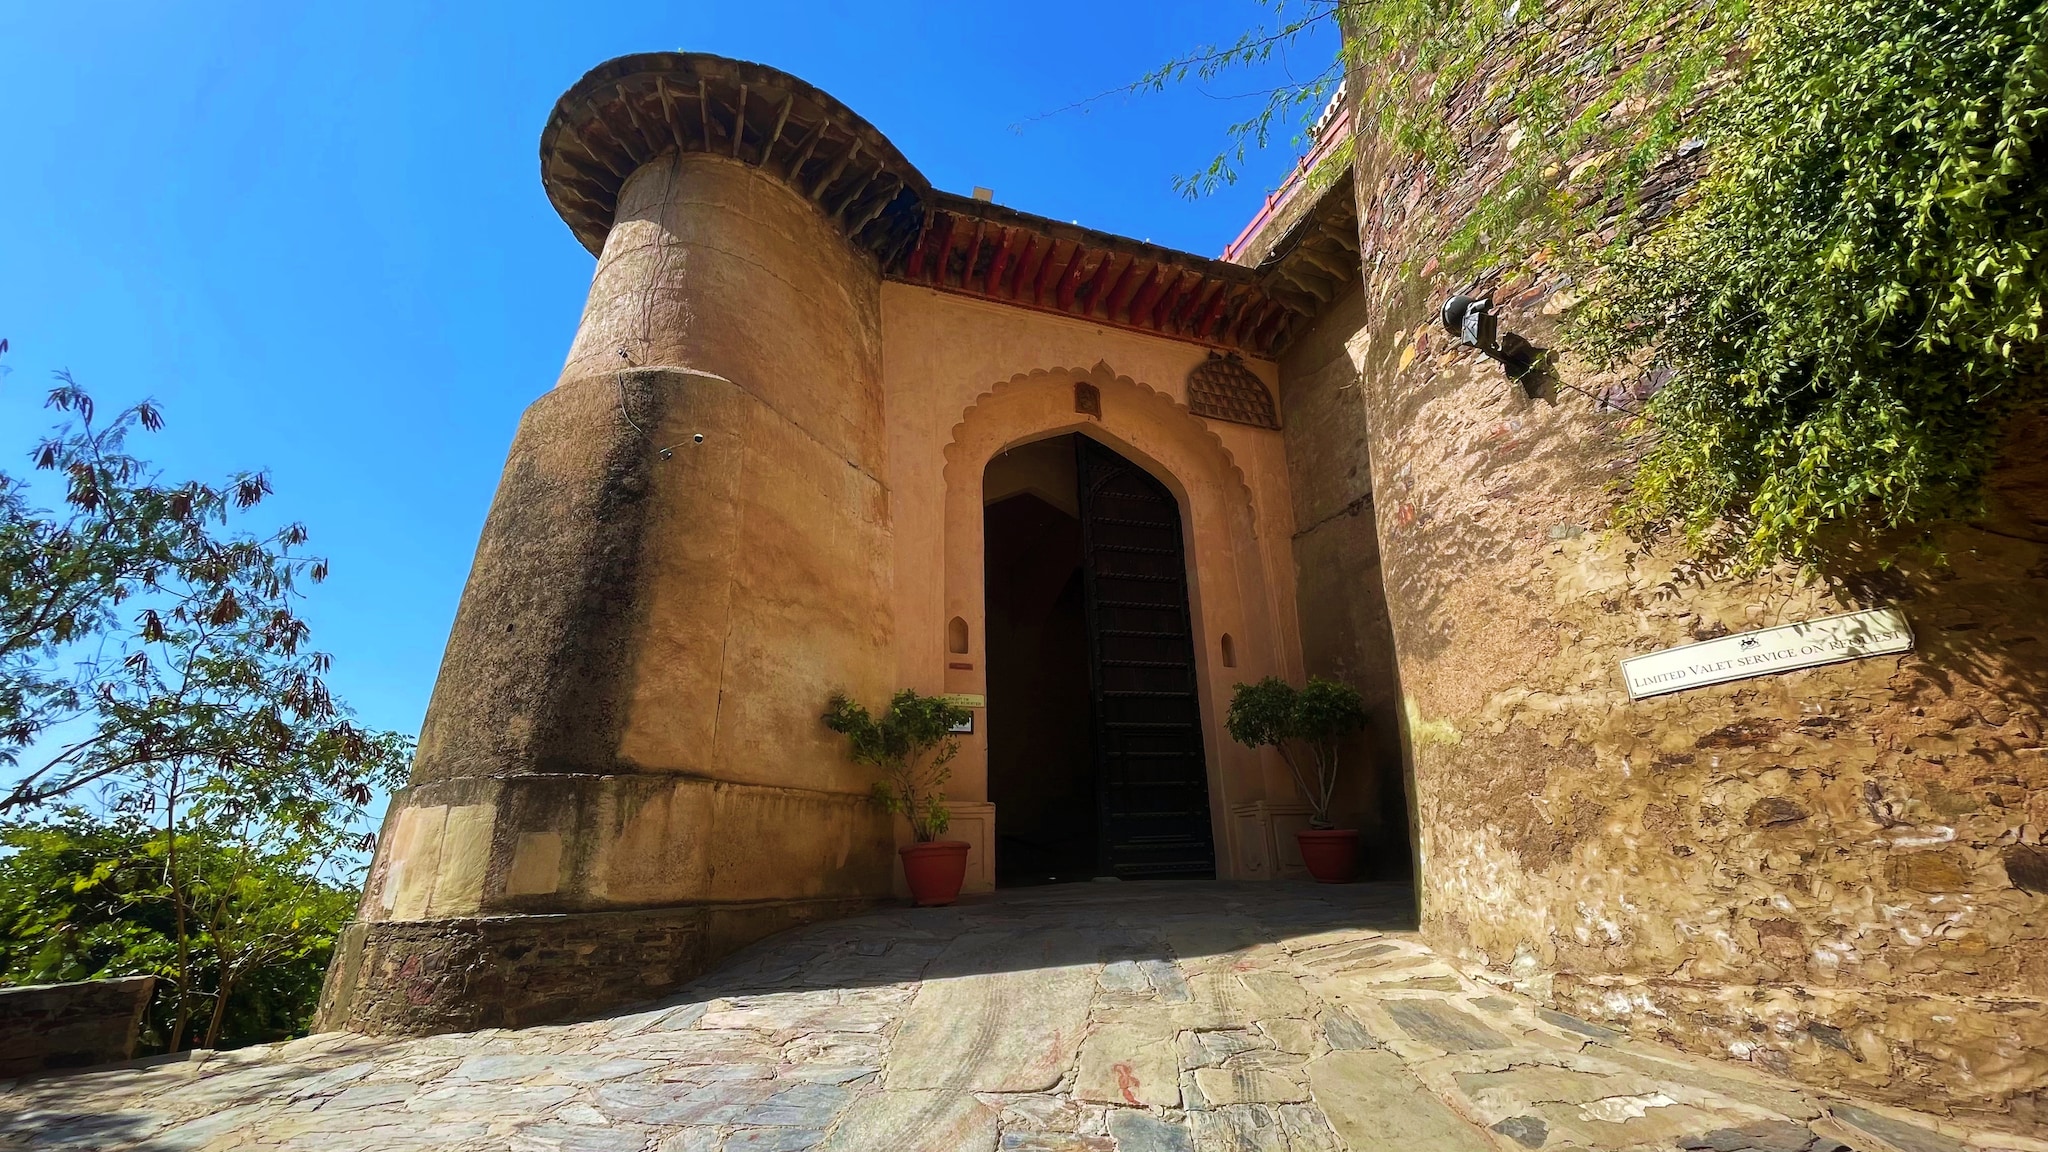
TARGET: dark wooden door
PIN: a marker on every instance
(1153, 782)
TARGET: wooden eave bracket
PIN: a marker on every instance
(634, 109)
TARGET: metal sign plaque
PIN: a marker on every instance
(969, 700)
(1873, 632)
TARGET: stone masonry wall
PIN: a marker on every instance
(75, 1025)
(1339, 595)
(424, 977)
(1838, 872)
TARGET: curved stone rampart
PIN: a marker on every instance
(688, 553)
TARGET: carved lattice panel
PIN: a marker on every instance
(1222, 388)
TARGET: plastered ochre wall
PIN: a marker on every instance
(1835, 872)
(966, 380)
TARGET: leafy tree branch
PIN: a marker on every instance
(188, 792)
(140, 632)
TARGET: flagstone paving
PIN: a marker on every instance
(1163, 1017)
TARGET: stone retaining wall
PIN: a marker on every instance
(44, 1026)
(457, 975)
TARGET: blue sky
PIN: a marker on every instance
(316, 233)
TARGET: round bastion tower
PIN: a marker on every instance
(621, 776)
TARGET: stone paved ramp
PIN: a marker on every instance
(1090, 1018)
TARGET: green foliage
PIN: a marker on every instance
(1851, 307)
(911, 743)
(1274, 714)
(72, 904)
(1588, 96)
(84, 898)
(152, 665)
(140, 637)
(1261, 715)
(1847, 310)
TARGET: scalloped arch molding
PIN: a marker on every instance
(1169, 415)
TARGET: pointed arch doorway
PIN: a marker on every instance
(1096, 764)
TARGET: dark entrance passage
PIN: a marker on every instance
(1095, 748)
(1041, 758)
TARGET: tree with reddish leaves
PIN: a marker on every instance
(154, 667)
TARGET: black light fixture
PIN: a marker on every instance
(1472, 320)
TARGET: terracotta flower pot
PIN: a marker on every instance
(935, 869)
(1330, 853)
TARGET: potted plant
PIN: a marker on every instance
(1274, 713)
(912, 743)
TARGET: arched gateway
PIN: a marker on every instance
(762, 477)
(1014, 494)
(1095, 757)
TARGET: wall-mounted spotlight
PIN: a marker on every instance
(626, 362)
(669, 453)
(1472, 320)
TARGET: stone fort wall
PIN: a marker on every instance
(1837, 872)
(621, 775)
(740, 497)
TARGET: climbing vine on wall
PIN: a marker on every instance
(1850, 307)
(1589, 95)
(1846, 312)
